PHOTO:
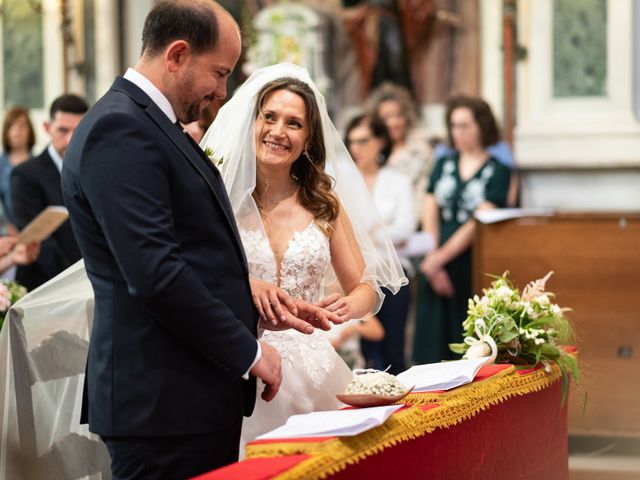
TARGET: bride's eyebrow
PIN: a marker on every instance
(266, 111)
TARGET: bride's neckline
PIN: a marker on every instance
(279, 258)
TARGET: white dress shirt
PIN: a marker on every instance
(144, 84)
(393, 197)
(55, 156)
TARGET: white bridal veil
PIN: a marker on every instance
(43, 352)
(231, 139)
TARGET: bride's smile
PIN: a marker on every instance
(281, 129)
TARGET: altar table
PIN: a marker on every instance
(506, 424)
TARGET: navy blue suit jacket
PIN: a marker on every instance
(174, 326)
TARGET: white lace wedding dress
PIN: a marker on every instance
(312, 372)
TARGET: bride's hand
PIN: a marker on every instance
(309, 317)
(269, 301)
(288, 321)
(338, 305)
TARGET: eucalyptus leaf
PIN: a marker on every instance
(460, 348)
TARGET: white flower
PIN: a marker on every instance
(480, 323)
(504, 293)
(542, 300)
(211, 154)
(485, 305)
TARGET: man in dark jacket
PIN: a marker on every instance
(35, 185)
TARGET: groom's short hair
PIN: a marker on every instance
(193, 21)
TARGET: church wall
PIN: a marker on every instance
(578, 142)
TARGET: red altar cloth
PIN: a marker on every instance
(524, 436)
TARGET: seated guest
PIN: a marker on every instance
(35, 185)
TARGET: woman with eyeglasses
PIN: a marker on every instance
(467, 180)
(369, 143)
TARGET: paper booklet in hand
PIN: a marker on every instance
(442, 376)
(336, 423)
(41, 227)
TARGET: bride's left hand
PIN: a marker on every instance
(338, 305)
(269, 301)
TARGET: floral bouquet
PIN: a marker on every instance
(520, 328)
(10, 293)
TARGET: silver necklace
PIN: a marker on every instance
(284, 197)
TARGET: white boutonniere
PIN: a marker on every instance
(211, 154)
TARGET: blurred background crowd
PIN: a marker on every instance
(533, 103)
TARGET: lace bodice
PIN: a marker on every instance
(302, 268)
(312, 372)
(303, 264)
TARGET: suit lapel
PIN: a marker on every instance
(212, 179)
(217, 186)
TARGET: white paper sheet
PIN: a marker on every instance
(341, 423)
(495, 215)
(441, 376)
(418, 245)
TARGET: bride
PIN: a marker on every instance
(306, 220)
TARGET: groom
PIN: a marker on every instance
(173, 354)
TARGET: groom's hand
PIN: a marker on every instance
(268, 370)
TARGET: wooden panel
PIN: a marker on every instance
(596, 260)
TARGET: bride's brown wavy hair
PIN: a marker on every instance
(316, 187)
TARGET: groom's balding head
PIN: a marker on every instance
(197, 22)
(190, 47)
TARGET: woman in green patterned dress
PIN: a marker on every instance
(466, 181)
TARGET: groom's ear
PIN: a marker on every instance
(177, 54)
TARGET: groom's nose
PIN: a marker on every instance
(221, 90)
